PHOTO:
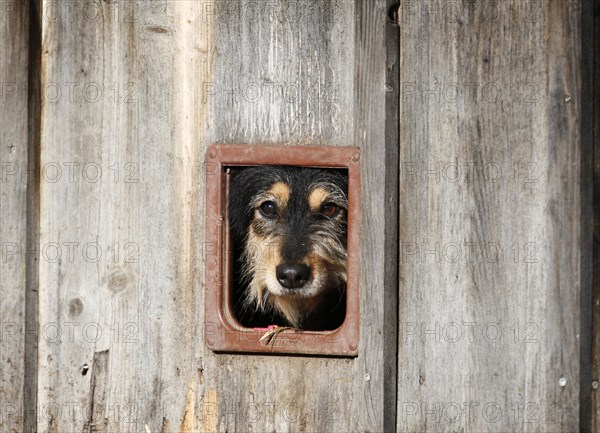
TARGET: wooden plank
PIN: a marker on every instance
(320, 68)
(14, 263)
(89, 211)
(595, 360)
(175, 52)
(588, 127)
(391, 156)
(34, 100)
(134, 69)
(490, 216)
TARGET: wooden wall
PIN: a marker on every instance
(469, 120)
(173, 78)
(490, 217)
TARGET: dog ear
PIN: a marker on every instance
(244, 184)
(240, 192)
(337, 177)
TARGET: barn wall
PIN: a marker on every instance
(469, 120)
(490, 217)
(323, 82)
(154, 85)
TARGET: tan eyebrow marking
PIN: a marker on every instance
(281, 191)
(316, 198)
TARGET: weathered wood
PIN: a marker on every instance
(31, 326)
(90, 220)
(595, 361)
(321, 74)
(175, 52)
(391, 275)
(195, 89)
(588, 128)
(490, 206)
(14, 262)
(490, 216)
(145, 133)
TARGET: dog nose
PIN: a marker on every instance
(292, 276)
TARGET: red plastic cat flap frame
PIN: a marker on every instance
(222, 332)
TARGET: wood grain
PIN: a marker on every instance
(89, 219)
(595, 329)
(318, 65)
(588, 407)
(391, 273)
(34, 101)
(135, 308)
(490, 217)
(14, 240)
(468, 116)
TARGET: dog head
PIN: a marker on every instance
(291, 226)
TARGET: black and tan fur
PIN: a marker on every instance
(288, 233)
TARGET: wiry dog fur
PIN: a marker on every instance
(284, 219)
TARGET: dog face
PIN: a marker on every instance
(290, 224)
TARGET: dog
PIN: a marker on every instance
(288, 232)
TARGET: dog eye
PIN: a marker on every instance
(329, 210)
(268, 209)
